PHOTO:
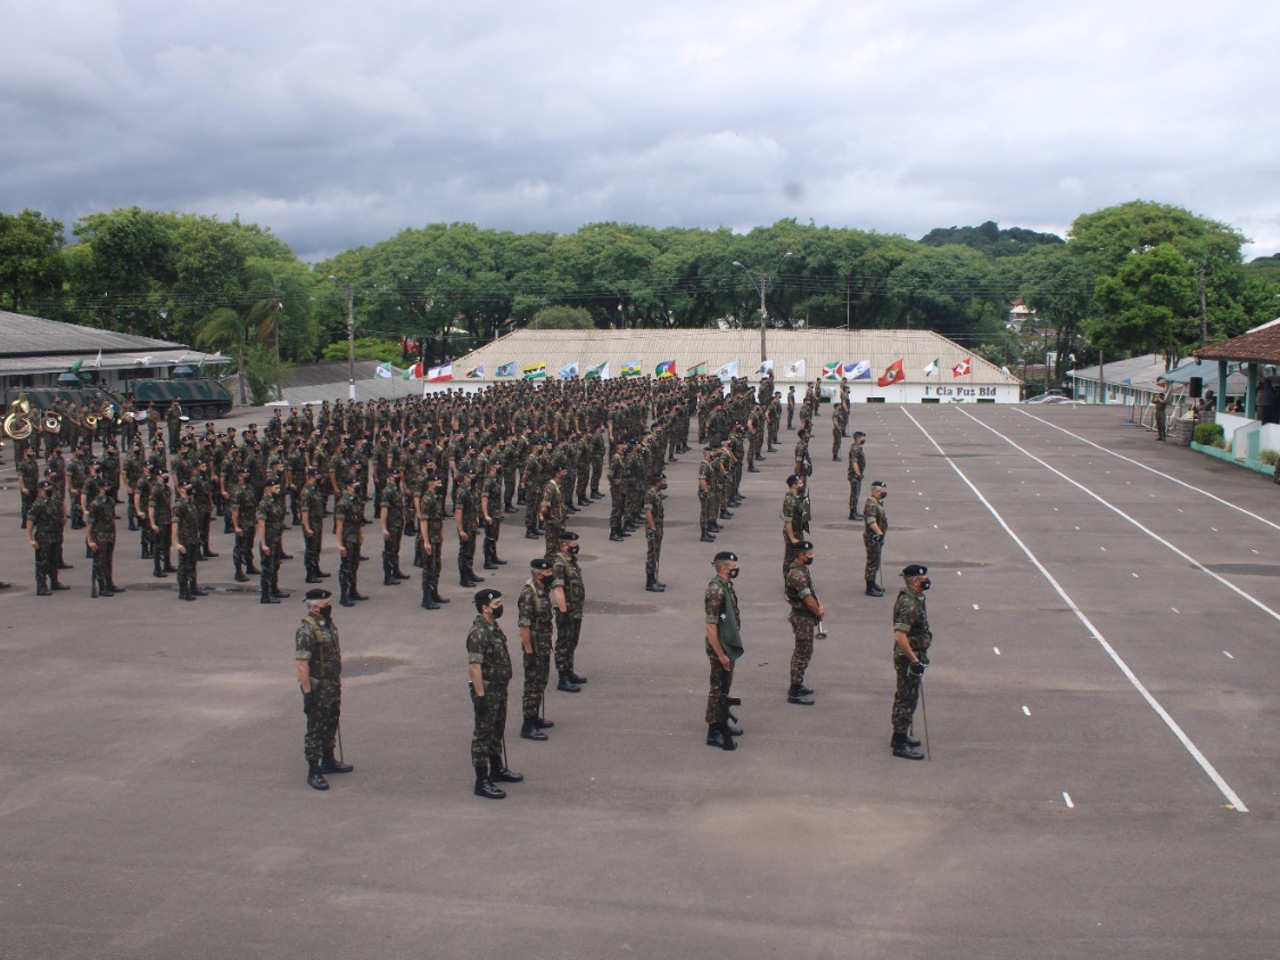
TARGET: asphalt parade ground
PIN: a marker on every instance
(1102, 725)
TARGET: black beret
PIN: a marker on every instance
(244, 471)
(487, 596)
(726, 555)
(316, 595)
(879, 483)
(44, 485)
(803, 545)
(313, 471)
(568, 535)
(915, 570)
(792, 478)
(351, 481)
(540, 563)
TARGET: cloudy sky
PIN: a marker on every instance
(338, 124)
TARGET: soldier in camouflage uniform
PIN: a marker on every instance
(28, 481)
(806, 612)
(491, 514)
(244, 512)
(839, 417)
(724, 647)
(465, 519)
(186, 533)
(794, 525)
(270, 520)
(44, 529)
(311, 519)
(653, 523)
(569, 597)
(100, 537)
(160, 516)
(552, 512)
(911, 640)
(392, 503)
(618, 493)
(803, 465)
(856, 471)
(707, 495)
(875, 526)
(350, 537)
(318, 659)
(431, 539)
(535, 639)
(489, 668)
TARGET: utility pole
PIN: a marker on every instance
(762, 285)
(351, 342)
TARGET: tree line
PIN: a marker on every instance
(1134, 278)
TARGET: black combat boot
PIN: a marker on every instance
(346, 600)
(266, 595)
(615, 533)
(387, 579)
(435, 592)
(330, 765)
(315, 779)
(475, 579)
(428, 601)
(484, 786)
(874, 589)
(796, 696)
(398, 573)
(567, 685)
(114, 587)
(104, 588)
(184, 589)
(653, 586)
(498, 772)
(576, 678)
(902, 747)
(531, 731)
(488, 555)
(156, 571)
(313, 573)
(718, 736)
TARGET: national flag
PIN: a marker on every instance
(832, 371)
(534, 371)
(413, 371)
(892, 374)
(963, 368)
(697, 370)
(728, 371)
(667, 368)
(765, 369)
(795, 370)
(440, 374)
(857, 371)
(569, 370)
(475, 373)
(383, 372)
(75, 367)
(506, 370)
(598, 372)
(631, 368)
(931, 368)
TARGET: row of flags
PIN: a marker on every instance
(837, 370)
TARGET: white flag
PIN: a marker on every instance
(728, 371)
(765, 368)
(795, 371)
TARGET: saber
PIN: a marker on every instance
(924, 721)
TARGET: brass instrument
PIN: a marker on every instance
(21, 406)
(18, 426)
(52, 423)
(91, 421)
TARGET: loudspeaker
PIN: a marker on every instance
(1196, 387)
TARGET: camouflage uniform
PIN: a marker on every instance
(491, 500)
(535, 613)
(873, 512)
(653, 538)
(393, 517)
(101, 520)
(553, 512)
(311, 508)
(487, 646)
(316, 641)
(721, 605)
(348, 510)
(910, 617)
(271, 515)
(793, 510)
(160, 512)
(799, 585)
(464, 511)
(617, 494)
(431, 517)
(244, 512)
(186, 518)
(858, 459)
(44, 525)
(568, 576)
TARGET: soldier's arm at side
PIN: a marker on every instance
(903, 643)
(304, 674)
(477, 678)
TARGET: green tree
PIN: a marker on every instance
(1060, 288)
(562, 318)
(122, 269)
(31, 265)
(949, 289)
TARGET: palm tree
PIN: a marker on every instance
(257, 321)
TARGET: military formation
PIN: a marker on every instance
(410, 466)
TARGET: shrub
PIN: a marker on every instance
(1269, 457)
(1208, 434)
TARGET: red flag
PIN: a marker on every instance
(963, 368)
(892, 374)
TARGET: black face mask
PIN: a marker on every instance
(572, 551)
(884, 495)
(497, 613)
(925, 584)
(809, 562)
(733, 574)
(325, 612)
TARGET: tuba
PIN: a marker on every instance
(91, 421)
(52, 423)
(18, 426)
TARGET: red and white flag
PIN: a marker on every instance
(892, 374)
(963, 368)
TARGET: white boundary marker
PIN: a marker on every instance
(1155, 705)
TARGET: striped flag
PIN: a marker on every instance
(632, 368)
(534, 371)
(697, 370)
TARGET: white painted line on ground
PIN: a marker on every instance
(997, 650)
(1158, 473)
(1227, 655)
(1176, 610)
(975, 606)
(1120, 513)
(1026, 710)
(1235, 802)
(1136, 577)
(1066, 798)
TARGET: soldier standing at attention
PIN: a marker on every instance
(101, 539)
(431, 537)
(552, 512)
(350, 536)
(534, 608)
(857, 469)
(202, 497)
(271, 539)
(876, 524)
(44, 528)
(160, 516)
(806, 611)
(724, 647)
(186, 533)
(653, 526)
(174, 417)
(243, 509)
(803, 465)
(392, 516)
(617, 493)
(318, 657)
(911, 640)
(311, 508)
(791, 406)
(465, 517)
(491, 513)
(489, 666)
(793, 520)
(839, 417)
(707, 504)
(568, 596)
